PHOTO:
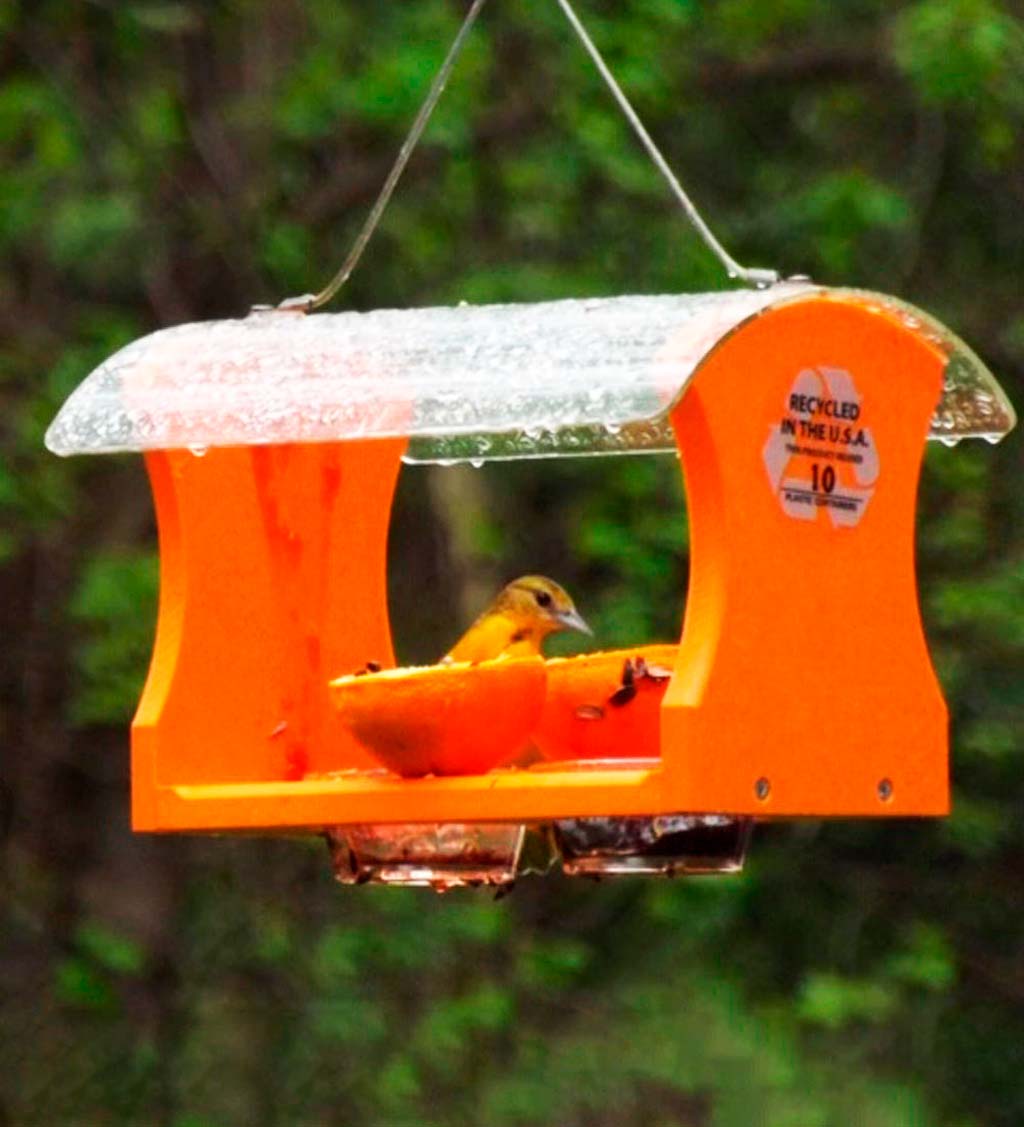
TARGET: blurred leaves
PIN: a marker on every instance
(88, 977)
(114, 608)
(167, 161)
(926, 961)
(109, 949)
(833, 1001)
(79, 982)
(981, 605)
(956, 50)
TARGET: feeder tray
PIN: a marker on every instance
(801, 686)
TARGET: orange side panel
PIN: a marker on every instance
(273, 572)
(803, 683)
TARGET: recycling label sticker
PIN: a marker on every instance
(820, 456)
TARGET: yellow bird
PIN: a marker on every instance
(517, 622)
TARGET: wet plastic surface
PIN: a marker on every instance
(467, 383)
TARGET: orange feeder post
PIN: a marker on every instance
(802, 685)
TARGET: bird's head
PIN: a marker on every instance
(540, 605)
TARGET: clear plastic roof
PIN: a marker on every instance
(465, 383)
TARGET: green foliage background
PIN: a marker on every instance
(173, 160)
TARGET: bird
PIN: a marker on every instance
(516, 623)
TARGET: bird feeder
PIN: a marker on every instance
(801, 686)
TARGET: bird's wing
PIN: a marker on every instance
(490, 636)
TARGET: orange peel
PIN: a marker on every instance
(456, 719)
(595, 710)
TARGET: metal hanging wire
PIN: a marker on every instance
(309, 302)
(754, 277)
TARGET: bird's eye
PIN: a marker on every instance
(543, 599)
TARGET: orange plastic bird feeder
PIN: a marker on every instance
(802, 684)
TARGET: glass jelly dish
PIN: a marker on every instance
(427, 855)
(665, 845)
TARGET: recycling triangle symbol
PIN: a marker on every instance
(820, 457)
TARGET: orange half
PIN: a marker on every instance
(605, 705)
(458, 719)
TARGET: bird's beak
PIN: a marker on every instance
(573, 620)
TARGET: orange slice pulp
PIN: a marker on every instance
(598, 707)
(457, 719)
